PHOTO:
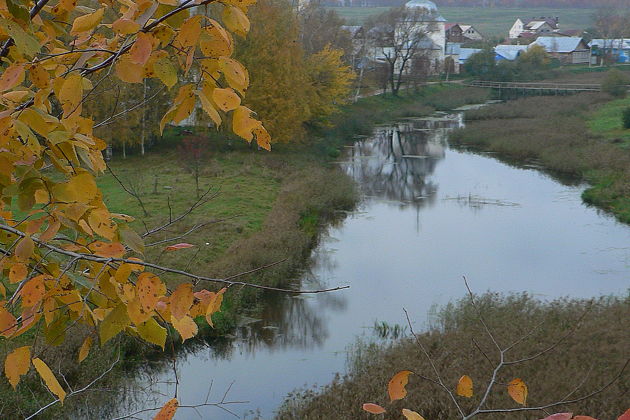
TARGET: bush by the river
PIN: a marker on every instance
(626, 118)
(616, 84)
(593, 354)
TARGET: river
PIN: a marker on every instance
(429, 215)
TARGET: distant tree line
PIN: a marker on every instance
(487, 3)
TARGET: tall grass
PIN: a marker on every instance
(594, 354)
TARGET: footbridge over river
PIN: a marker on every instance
(537, 86)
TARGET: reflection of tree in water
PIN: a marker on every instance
(398, 160)
(296, 321)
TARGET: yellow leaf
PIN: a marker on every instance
(235, 20)
(215, 41)
(8, 323)
(85, 348)
(168, 410)
(87, 22)
(518, 391)
(128, 71)
(71, 93)
(465, 387)
(25, 248)
(209, 108)
(184, 109)
(243, 124)
(125, 26)
(152, 332)
(235, 74)
(373, 408)
(49, 379)
(149, 289)
(396, 386)
(186, 327)
(17, 273)
(181, 300)
(11, 77)
(226, 99)
(136, 312)
(263, 139)
(411, 415)
(101, 223)
(189, 33)
(164, 70)
(39, 76)
(141, 49)
(17, 364)
(115, 322)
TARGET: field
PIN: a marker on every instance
(490, 22)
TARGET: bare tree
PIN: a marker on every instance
(400, 37)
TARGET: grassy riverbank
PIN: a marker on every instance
(588, 358)
(269, 207)
(554, 132)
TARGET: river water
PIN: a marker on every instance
(430, 214)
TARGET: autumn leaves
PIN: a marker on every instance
(397, 391)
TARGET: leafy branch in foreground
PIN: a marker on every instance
(65, 258)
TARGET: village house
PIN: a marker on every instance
(617, 49)
(509, 52)
(461, 33)
(528, 28)
(569, 50)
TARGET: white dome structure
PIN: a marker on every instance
(425, 4)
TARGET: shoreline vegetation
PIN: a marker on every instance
(591, 355)
(283, 199)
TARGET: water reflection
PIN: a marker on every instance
(396, 164)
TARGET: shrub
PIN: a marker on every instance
(616, 84)
(626, 118)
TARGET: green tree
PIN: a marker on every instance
(616, 83)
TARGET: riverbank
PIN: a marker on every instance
(557, 134)
(459, 345)
(271, 207)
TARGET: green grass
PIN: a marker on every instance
(491, 22)
(607, 122)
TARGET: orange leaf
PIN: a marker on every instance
(107, 249)
(33, 291)
(85, 348)
(17, 364)
(186, 327)
(625, 416)
(465, 387)
(11, 77)
(559, 416)
(181, 300)
(8, 323)
(411, 415)
(214, 305)
(141, 49)
(178, 246)
(168, 410)
(149, 288)
(373, 408)
(396, 386)
(49, 379)
(518, 391)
